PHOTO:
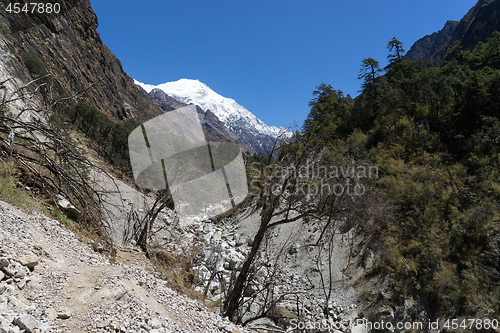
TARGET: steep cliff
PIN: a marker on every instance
(476, 26)
(486, 21)
(69, 47)
(425, 47)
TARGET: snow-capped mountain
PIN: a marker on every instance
(242, 124)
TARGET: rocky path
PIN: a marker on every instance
(53, 282)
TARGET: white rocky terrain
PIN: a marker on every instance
(51, 281)
(222, 246)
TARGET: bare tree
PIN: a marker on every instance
(298, 185)
(141, 225)
(43, 151)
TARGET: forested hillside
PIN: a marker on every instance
(434, 134)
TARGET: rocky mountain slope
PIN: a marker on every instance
(425, 47)
(486, 21)
(50, 281)
(67, 45)
(241, 124)
(476, 26)
(70, 49)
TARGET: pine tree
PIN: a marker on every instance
(396, 50)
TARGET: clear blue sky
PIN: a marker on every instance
(267, 55)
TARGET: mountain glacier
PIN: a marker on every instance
(237, 118)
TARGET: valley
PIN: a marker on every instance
(379, 208)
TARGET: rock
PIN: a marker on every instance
(228, 329)
(70, 210)
(98, 247)
(109, 295)
(9, 270)
(3, 287)
(155, 323)
(359, 329)
(232, 264)
(250, 290)
(29, 261)
(20, 272)
(409, 302)
(16, 329)
(294, 249)
(10, 290)
(2, 275)
(102, 324)
(5, 326)
(281, 315)
(240, 241)
(216, 238)
(386, 312)
(51, 313)
(63, 314)
(21, 284)
(114, 326)
(27, 323)
(4, 262)
(17, 304)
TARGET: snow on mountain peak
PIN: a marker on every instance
(233, 115)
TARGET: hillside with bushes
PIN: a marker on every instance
(434, 133)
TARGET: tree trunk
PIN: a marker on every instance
(231, 303)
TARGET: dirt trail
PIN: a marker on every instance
(73, 288)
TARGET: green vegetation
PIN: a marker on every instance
(110, 138)
(12, 193)
(34, 65)
(8, 190)
(177, 270)
(5, 31)
(434, 133)
(38, 72)
(75, 227)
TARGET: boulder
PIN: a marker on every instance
(9, 270)
(294, 249)
(51, 313)
(27, 322)
(63, 314)
(29, 260)
(358, 329)
(281, 315)
(232, 264)
(250, 290)
(5, 326)
(155, 323)
(70, 210)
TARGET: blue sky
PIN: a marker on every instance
(267, 55)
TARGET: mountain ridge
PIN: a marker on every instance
(477, 25)
(425, 47)
(213, 128)
(62, 45)
(243, 126)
